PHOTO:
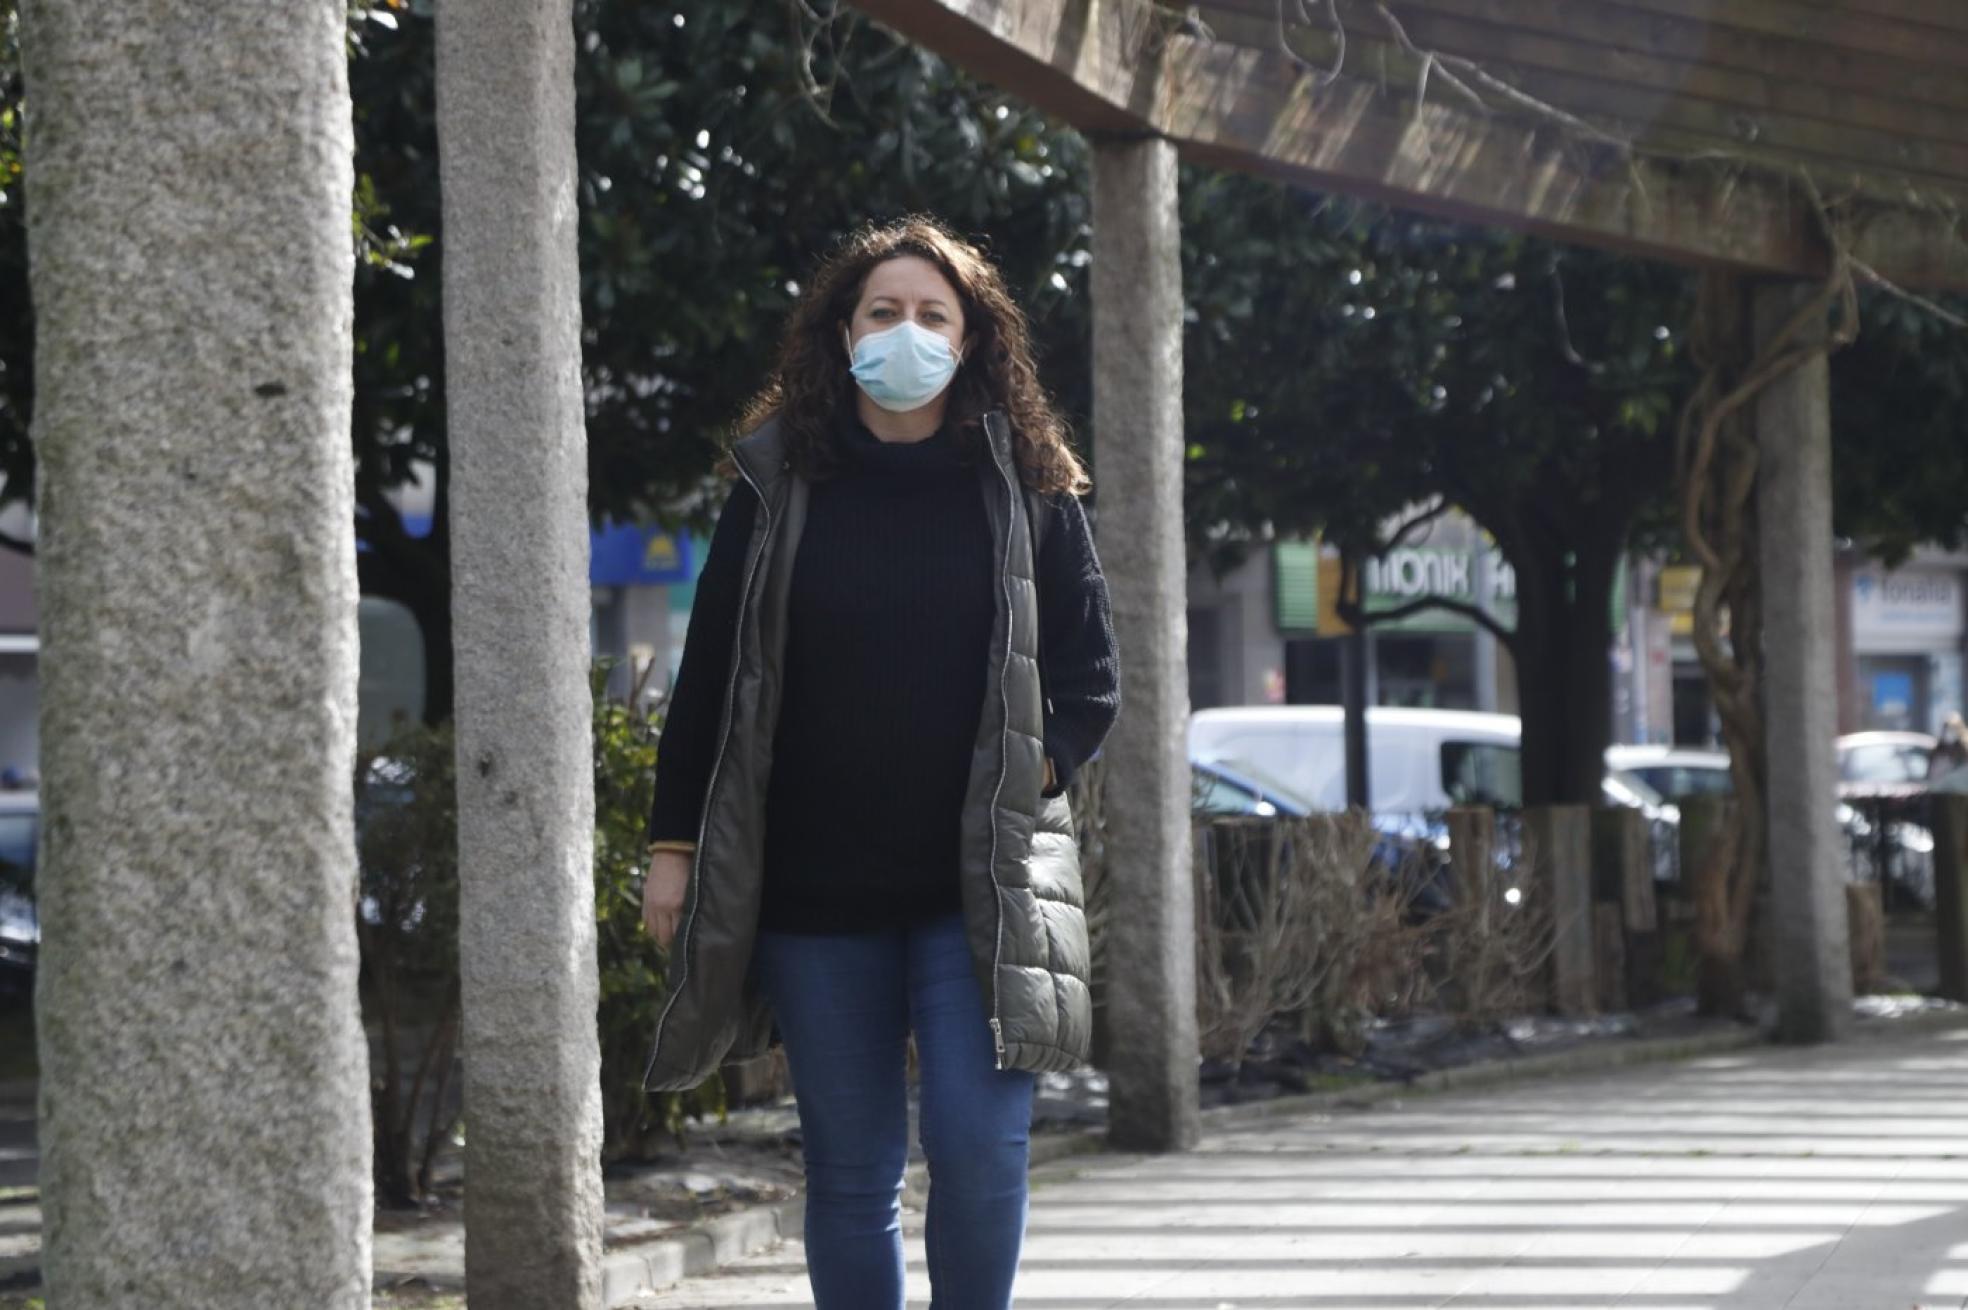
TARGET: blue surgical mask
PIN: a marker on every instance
(903, 367)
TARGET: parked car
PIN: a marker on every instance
(1663, 820)
(20, 926)
(1875, 769)
(1868, 763)
(1675, 772)
(1883, 763)
(1882, 785)
(1230, 787)
(1420, 763)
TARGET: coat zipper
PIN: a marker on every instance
(1004, 756)
(683, 937)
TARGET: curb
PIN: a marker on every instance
(1491, 1073)
(654, 1266)
(1582, 1061)
(649, 1267)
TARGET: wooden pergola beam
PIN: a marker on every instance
(1120, 66)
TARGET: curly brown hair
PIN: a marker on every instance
(811, 386)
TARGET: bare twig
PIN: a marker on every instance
(817, 97)
(1428, 60)
(1321, 77)
(1891, 288)
(1565, 345)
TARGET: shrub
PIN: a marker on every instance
(634, 972)
(407, 925)
(1295, 919)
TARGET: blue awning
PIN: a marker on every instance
(621, 554)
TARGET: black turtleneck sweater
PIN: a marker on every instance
(887, 651)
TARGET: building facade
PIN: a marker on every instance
(1269, 631)
(1902, 635)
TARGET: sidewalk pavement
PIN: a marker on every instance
(1823, 1179)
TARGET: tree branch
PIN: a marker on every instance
(1357, 617)
(1414, 525)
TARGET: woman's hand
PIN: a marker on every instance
(662, 894)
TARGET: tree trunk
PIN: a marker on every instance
(1564, 673)
(204, 1118)
(519, 522)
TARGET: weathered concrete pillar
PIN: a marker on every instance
(1137, 413)
(519, 525)
(1558, 840)
(1623, 882)
(204, 1094)
(1951, 893)
(1800, 692)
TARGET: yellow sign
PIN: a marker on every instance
(660, 555)
(1330, 574)
(1677, 589)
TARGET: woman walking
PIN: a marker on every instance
(899, 656)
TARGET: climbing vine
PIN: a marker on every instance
(1718, 459)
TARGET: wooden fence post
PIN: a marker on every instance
(1951, 893)
(1558, 838)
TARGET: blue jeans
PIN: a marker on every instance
(845, 1007)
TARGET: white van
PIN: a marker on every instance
(1419, 761)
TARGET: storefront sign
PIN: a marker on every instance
(1308, 580)
(624, 555)
(1909, 610)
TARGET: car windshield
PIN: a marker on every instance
(1483, 773)
(1889, 763)
(1216, 794)
(17, 832)
(1680, 781)
(1642, 791)
(1314, 768)
(1279, 789)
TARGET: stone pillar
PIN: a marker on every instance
(204, 1101)
(1623, 858)
(1800, 690)
(1558, 842)
(1951, 893)
(519, 531)
(1137, 419)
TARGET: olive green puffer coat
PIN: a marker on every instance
(1019, 861)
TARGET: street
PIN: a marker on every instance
(1823, 1179)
